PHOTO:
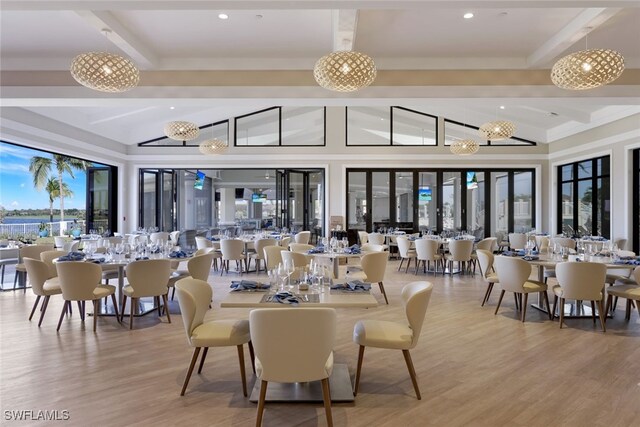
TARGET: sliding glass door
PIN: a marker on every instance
(101, 200)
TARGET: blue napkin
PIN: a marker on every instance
(245, 285)
(178, 254)
(4, 246)
(530, 258)
(354, 249)
(286, 298)
(316, 250)
(513, 253)
(97, 260)
(215, 239)
(72, 256)
(353, 286)
(627, 262)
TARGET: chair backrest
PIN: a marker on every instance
(47, 257)
(369, 247)
(298, 259)
(194, 297)
(426, 249)
(34, 251)
(189, 238)
(204, 251)
(159, 236)
(78, 279)
(71, 246)
(59, 241)
(284, 242)
(512, 272)
(374, 265)
(542, 243)
(636, 275)
(303, 237)
(174, 235)
(460, 249)
(273, 256)
(302, 248)
(403, 246)
(149, 277)
(364, 237)
(517, 240)
(376, 238)
(115, 240)
(232, 249)
(565, 242)
(621, 243)
(199, 266)
(260, 244)
(415, 298)
(288, 360)
(203, 242)
(581, 280)
(38, 273)
(488, 244)
(485, 258)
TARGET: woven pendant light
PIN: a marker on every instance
(181, 131)
(345, 71)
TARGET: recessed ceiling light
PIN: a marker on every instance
(223, 16)
(468, 15)
(172, 108)
(502, 107)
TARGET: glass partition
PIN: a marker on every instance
(368, 125)
(523, 205)
(409, 127)
(476, 204)
(258, 129)
(302, 126)
(148, 199)
(218, 130)
(501, 212)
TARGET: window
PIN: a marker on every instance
(636, 200)
(584, 205)
(455, 131)
(281, 126)
(409, 127)
(368, 125)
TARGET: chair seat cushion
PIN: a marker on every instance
(220, 333)
(21, 268)
(534, 286)
(492, 278)
(102, 291)
(625, 291)
(131, 293)
(51, 287)
(558, 291)
(382, 334)
(612, 278)
(109, 274)
(328, 368)
(625, 281)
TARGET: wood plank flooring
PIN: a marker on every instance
(474, 368)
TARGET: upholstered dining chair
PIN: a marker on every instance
(47, 257)
(29, 251)
(258, 255)
(298, 259)
(489, 244)
(426, 253)
(174, 236)
(232, 250)
(486, 259)
(284, 242)
(273, 256)
(580, 281)
(159, 236)
(374, 265)
(405, 252)
(147, 278)
(363, 237)
(59, 241)
(460, 252)
(376, 239)
(71, 246)
(364, 249)
(38, 273)
(396, 336)
(621, 243)
(281, 359)
(302, 248)
(302, 237)
(625, 288)
(198, 267)
(517, 241)
(80, 281)
(513, 276)
(202, 242)
(194, 297)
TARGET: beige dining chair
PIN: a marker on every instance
(284, 242)
(517, 241)
(513, 276)
(80, 281)
(489, 244)
(202, 242)
(194, 297)
(59, 241)
(308, 357)
(364, 249)
(273, 256)
(374, 265)
(302, 237)
(232, 250)
(258, 255)
(302, 248)
(363, 237)
(376, 239)
(198, 267)
(405, 252)
(460, 252)
(580, 281)
(147, 278)
(298, 259)
(174, 236)
(71, 246)
(426, 253)
(396, 336)
(47, 257)
(486, 260)
(29, 251)
(621, 243)
(38, 274)
(159, 236)
(625, 288)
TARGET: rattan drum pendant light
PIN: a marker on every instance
(345, 71)
(497, 130)
(464, 147)
(181, 131)
(105, 72)
(213, 146)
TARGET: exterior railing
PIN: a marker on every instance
(57, 228)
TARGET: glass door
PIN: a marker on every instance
(297, 207)
(428, 202)
(282, 217)
(101, 203)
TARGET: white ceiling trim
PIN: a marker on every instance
(601, 117)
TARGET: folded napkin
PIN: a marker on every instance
(72, 256)
(316, 250)
(4, 246)
(627, 262)
(246, 285)
(97, 260)
(627, 258)
(353, 286)
(513, 253)
(530, 258)
(178, 254)
(286, 298)
(354, 249)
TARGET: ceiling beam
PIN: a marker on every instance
(579, 26)
(345, 22)
(566, 112)
(121, 37)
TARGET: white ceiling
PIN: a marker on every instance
(268, 35)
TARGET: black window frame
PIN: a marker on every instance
(488, 142)
(279, 108)
(636, 200)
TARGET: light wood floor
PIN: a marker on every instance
(473, 368)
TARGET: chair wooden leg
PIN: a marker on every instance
(487, 294)
(383, 292)
(95, 314)
(326, 397)
(627, 311)
(252, 356)
(546, 301)
(81, 310)
(561, 311)
(35, 305)
(115, 307)
(593, 311)
(524, 306)
(401, 261)
(45, 304)
(157, 301)
(408, 264)
(608, 307)
(499, 302)
(204, 356)
(131, 310)
(412, 372)
(196, 351)
(602, 316)
(173, 293)
(358, 370)
(165, 299)
(124, 305)
(243, 374)
(64, 310)
(263, 395)
(555, 306)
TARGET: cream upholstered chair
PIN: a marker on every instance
(38, 273)
(405, 252)
(364, 249)
(281, 359)
(284, 242)
(396, 336)
(621, 243)
(542, 243)
(30, 251)
(147, 278)
(427, 252)
(298, 259)
(273, 256)
(80, 281)
(232, 250)
(59, 241)
(626, 288)
(198, 267)
(202, 242)
(159, 236)
(303, 237)
(376, 239)
(581, 281)
(517, 241)
(47, 257)
(116, 240)
(565, 242)
(174, 236)
(302, 248)
(194, 297)
(374, 265)
(489, 244)
(460, 252)
(258, 255)
(363, 237)
(502, 240)
(486, 259)
(513, 276)
(71, 246)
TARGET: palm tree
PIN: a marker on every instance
(41, 168)
(53, 189)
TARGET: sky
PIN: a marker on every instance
(16, 182)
